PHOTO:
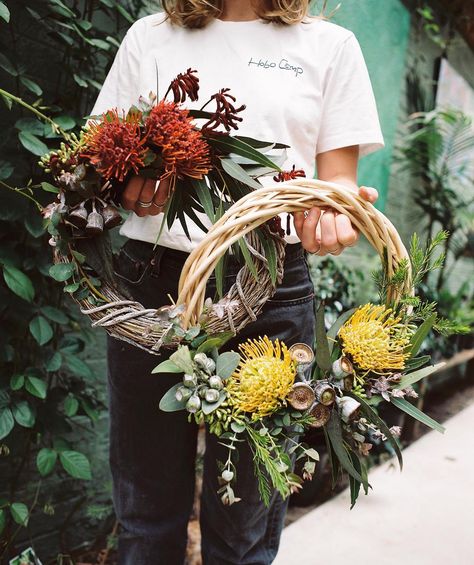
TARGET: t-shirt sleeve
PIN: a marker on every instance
(349, 115)
(121, 86)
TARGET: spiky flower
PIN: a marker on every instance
(114, 144)
(375, 339)
(183, 148)
(293, 173)
(263, 379)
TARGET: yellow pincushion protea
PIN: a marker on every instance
(263, 379)
(375, 339)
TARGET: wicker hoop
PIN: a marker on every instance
(147, 328)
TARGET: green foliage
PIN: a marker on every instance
(53, 56)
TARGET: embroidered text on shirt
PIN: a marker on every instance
(283, 65)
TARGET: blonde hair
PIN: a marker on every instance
(198, 13)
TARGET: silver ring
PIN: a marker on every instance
(315, 252)
(158, 205)
(144, 204)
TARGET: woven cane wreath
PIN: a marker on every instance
(144, 327)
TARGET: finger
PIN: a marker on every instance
(346, 233)
(145, 196)
(329, 241)
(369, 193)
(298, 222)
(308, 234)
(161, 195)
(131, 192)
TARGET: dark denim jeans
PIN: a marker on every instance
(152, 453)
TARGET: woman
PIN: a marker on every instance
(303, 84)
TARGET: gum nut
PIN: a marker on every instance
(189, 381)
(182, 394)
(202, 391)
(211, 395)
(227, 475)
(112, 217)
(80, 171)
(301, 353)
(204, 362)
(301, 396)
(78, 216)
(95, 224)
(342, 367)
(215, 382)
(193, 404)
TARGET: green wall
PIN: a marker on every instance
(382, 28)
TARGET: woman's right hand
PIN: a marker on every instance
(146, 197)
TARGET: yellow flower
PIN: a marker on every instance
(263, 379)
(375, 339)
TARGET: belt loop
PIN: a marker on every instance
(155, 261)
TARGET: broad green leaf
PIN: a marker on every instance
(415, 376)
(76, 464)
(353, 483)
(32, 125)
(247, 256)
(219, 274)
(89, 409)
(48, 187)
(46, 460)
(6, 170)
(71, 405)
(23, 414)
(17, 381)
(208, 407)
(334, 329)
(65, 122)
(214, 341)
(19, 512)
(168, 403)
(32, 144)
(78, 367)
(419, 336)
(414, 412)
(18, 283)
(55, 315)
(182, 359)
(227, 363)
(373, 417)
(204, 196)
(41, 330)
(62, 271)
(323, 356)
(416, 362)
(36, 387)
(54, 362)
(233, 145)
(4, 12)
(237, 172)
(167, 366)
(6, 422)
(34, 224)
(31, 85)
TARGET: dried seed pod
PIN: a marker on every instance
(227, 475)
(348, 407)
(78, 216)
(95, 223)
(345, 384)
(111, 216)
(325, 394)
(301, 396)
(342, 367)
(301, 354)
(321, 415)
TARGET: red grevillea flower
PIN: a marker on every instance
(283, 176)
(114, 145)
(184, 150)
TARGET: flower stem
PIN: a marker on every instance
(20, 191)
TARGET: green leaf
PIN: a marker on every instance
(6, 422)
(237, 172)
(90, 410)
(334, 329)
(414, 412)
(19, 512)
(323, 356)
(32, 86)
(71, 405)
(47, 187)
(3, 520)
(227, 363)
(6, 170)
(247, 256)
(269, 248)
(55, 315)
(78, 367)
(167, 366)
(415, 376)
(168, 403)
(41, 330)
(76, 464)
(81, 82)
(182, 359)
(204, 196)
(373, 417)
(46, 460)
(18, 283)
(65, 122)
(54, 362)
(215, 341)
(17, 382)
(34, 224)
(23, 414)
(36, 387)
(419, 336)
(4, 12)
(416, 362)
(353, 483)
(233, 145)
(208, 407)
(62, 271)
(32, 144)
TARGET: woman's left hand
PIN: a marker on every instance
(328, 231)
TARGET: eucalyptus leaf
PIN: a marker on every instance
(247, 256)
(237, 172)
(419, 336)
(414, 412)
(334, 329)
(204, 196)
(323, 356)
(167, 366)
(208, 407)
(227, 363)
(415, 376)
(334, 431)
(182, 359)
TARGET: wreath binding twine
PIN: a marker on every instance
(146, 328)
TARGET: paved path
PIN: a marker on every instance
(422, 516)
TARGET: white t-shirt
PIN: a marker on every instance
(305, 85)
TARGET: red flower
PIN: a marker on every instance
(114, 144)
(184, 150)
(283, 176)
